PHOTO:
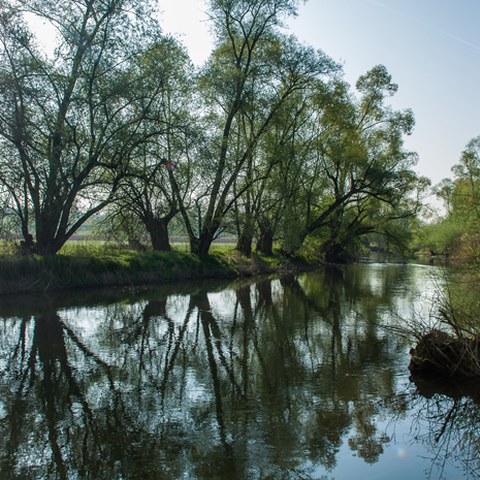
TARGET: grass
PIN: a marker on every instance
(98, 266)
(94, 264)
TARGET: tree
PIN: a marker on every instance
(270, 173)
(284, 148)
(466, 195)
(358, 163)
(457, 232)
(148, 191)
(69, 122)
(239, 80)
(444, 191)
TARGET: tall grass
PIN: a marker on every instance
(450, 344)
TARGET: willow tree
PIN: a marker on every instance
(299, 72)
(70, 120)
(363, 175)
(147, 195)
(239, 78)
(277, 166)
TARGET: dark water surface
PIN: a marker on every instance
(301, 377)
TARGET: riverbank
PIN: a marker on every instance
(120, 267)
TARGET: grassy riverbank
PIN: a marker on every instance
(95, 267)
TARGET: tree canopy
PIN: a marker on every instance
(265, 142)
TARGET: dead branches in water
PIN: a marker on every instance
(439, 352)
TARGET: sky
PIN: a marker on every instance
(430, 47)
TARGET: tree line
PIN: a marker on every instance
(266, 141)
(455, 232)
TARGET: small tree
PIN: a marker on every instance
(457, 233)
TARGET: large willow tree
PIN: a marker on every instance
(69, 121)
(356, 177)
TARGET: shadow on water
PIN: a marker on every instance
(430, 385)
(287, 378)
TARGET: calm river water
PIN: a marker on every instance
(301, 377)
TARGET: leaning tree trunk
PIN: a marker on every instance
(336, 253)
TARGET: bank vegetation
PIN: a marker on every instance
(455, 233)
(448, 341)
(92, 265)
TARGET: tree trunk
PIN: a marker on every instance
(265, 242)
(158, 231)
(49, 235)
(336, 253)
(28, 245)
(244, 243)
(201, 245)
(47, 245)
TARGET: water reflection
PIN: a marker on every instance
(275, 379)
(451, 411)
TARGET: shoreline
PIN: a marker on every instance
(128, 268)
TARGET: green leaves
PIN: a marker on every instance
(268, 139)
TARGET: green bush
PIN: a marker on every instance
(441, 237)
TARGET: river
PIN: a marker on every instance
(298, 377)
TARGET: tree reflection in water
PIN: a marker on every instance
(451, 410)
(264, 380)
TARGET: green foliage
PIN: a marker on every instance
(269, 143)
(441, 237)
(457, 233)
(354, 176)
(66, 137)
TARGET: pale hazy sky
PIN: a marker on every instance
(430, 47)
